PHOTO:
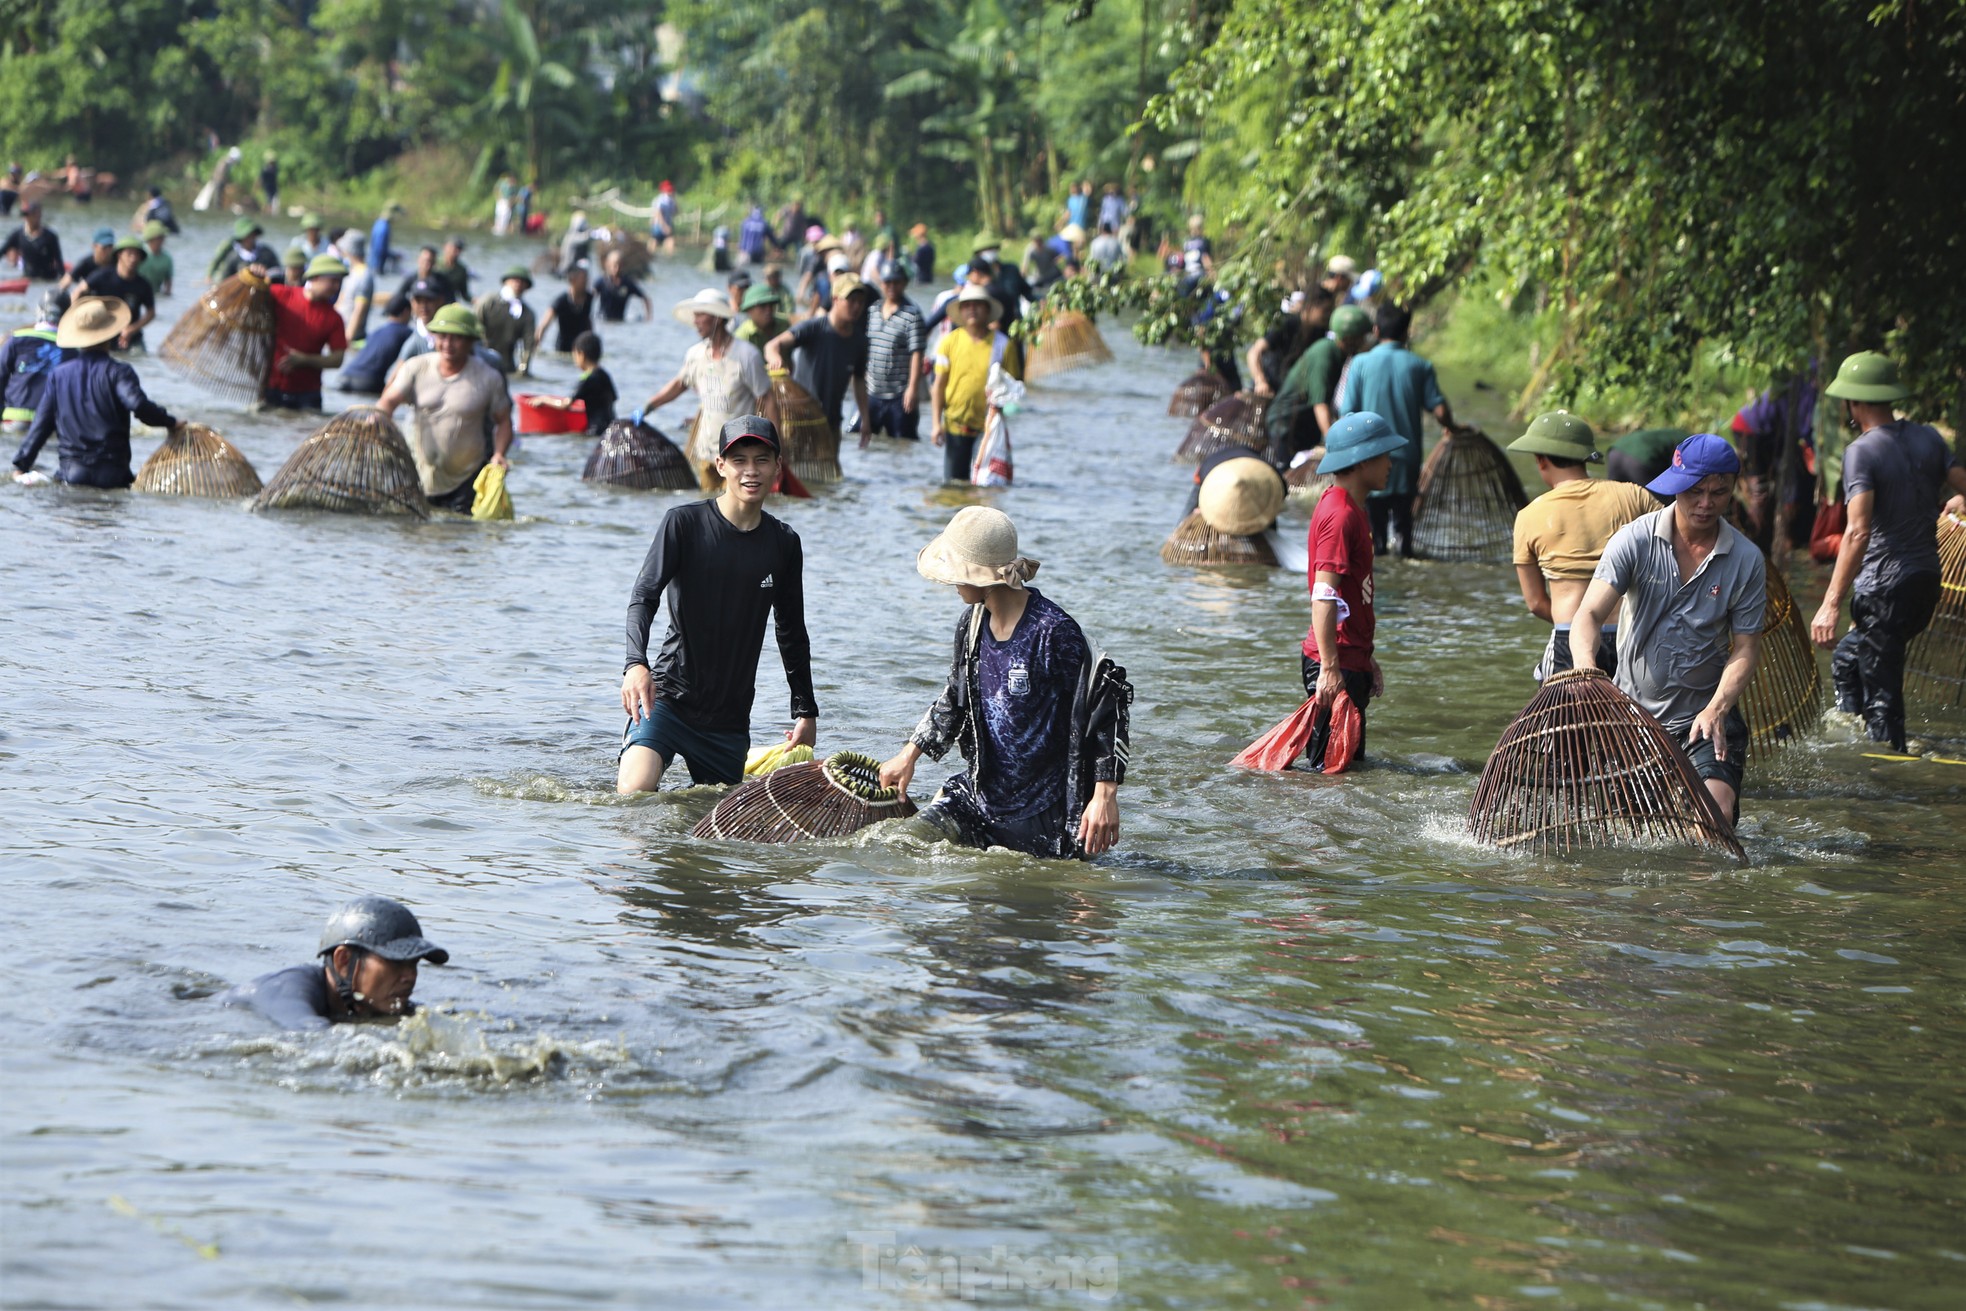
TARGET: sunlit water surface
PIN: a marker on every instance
(1296, 1043)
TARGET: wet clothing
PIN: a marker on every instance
(720, 584)
(726, 387)
(1341, 543)
(613, 297)
(964, 364)
(1312, 380)
(1563, 532)
(1558, 657)
(294, 998)
(826, 362)
(369, 370)
(887, 414)
(234, 256)
(1008, 287)
(27, 361)
(157, 269)
(457, 276)
(1399, 386)
(714, 756)
(1903, 465)
(596, 392)
(451, 440)
(510, 329)
(1358, 686)
(1674, 637)
(891, 340)
(40, 254)
(1868, 665)
(1729, 771)
(1038, 719)
(88, 404)
(299, 324)
(751, 332)
(160, 211)
(570, 320)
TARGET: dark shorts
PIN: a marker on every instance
(958, 812)
(291, 400)
(460, 498)
(1560, 658)
(1358, 686)
(958, 452)
(1727, 771)
(885, 414)
(713, 756)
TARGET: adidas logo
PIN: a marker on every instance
(766, 583)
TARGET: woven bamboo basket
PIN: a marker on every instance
(1469, 495)
(1068, 340)
(1193, 542)
(1234, 420)
(224, 341)
(195, 461)
(812, 444)
(635, 257)
(827, 798)
(1304, 480)
(637, 455)
(1935, 665)
(1785, 697)
(357, 464)
(1584, 765)
(1197, 393)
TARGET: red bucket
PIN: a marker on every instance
(13, 286)
(535, 417)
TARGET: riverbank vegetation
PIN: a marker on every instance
(1648, 191)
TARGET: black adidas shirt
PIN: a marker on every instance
(720, 584)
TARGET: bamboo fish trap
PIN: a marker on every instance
(827, 798)
(1469, 495)
(195, 461)
(225, 340)
(812, 443)
(632, 454)
(357, 464)
(1785, 697)
(1197, 393)
(1194, 542)
(1935, 666)
(1304, 480)
(1584, 765)
(1068, 340)
(1234, 420)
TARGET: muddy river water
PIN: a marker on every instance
(1296, 1043)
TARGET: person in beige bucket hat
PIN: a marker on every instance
(89, 401)
(1039, 717)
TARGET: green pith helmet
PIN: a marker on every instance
(153, 230)
(1349, 322)
(324, 266)
(760, 295)
(1560, 435)
(984, 241)
(310, 221)
(520, 272)
(457, 321)
(246, 227)
(1868, 376)
(129, 243)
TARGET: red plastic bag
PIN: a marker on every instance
(1278, 749)
(1826, 538)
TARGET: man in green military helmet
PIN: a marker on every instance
(1306, 404)
(1894, 477)
(509, 323)
(1560, 535)
(244, 251)
(463, 411)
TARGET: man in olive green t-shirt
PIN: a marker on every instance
(1305, 406)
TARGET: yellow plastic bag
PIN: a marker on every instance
(491, 501)
(762, 760)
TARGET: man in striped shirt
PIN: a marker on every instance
(896, 339)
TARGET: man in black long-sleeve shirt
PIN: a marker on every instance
(722, 564)
(89, 401)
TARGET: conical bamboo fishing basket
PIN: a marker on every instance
(1785, 697)
(1196, 393)
(1304, 480)
(1935, 665)
(1469, 495)
(812, 444)
(827, 798)
(195, 461)
(357, 464)
(632, 454)
(225, 339)
(1193, 542)
(1068, 340)
(1234, 420)
(1584, 765)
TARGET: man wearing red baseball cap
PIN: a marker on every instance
(723, 565)
(1692, 590)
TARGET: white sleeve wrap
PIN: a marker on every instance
(1326, 592)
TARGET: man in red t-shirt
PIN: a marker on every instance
(308, 335)
(1338, 649)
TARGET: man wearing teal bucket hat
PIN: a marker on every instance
(1560, 535)
(1337, 652)
(1893, 479)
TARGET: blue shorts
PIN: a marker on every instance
(887, 415)
(713, 757)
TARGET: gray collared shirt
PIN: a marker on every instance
(1673, 637)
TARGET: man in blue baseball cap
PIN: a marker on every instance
(1693, 590)
(1337, 652)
